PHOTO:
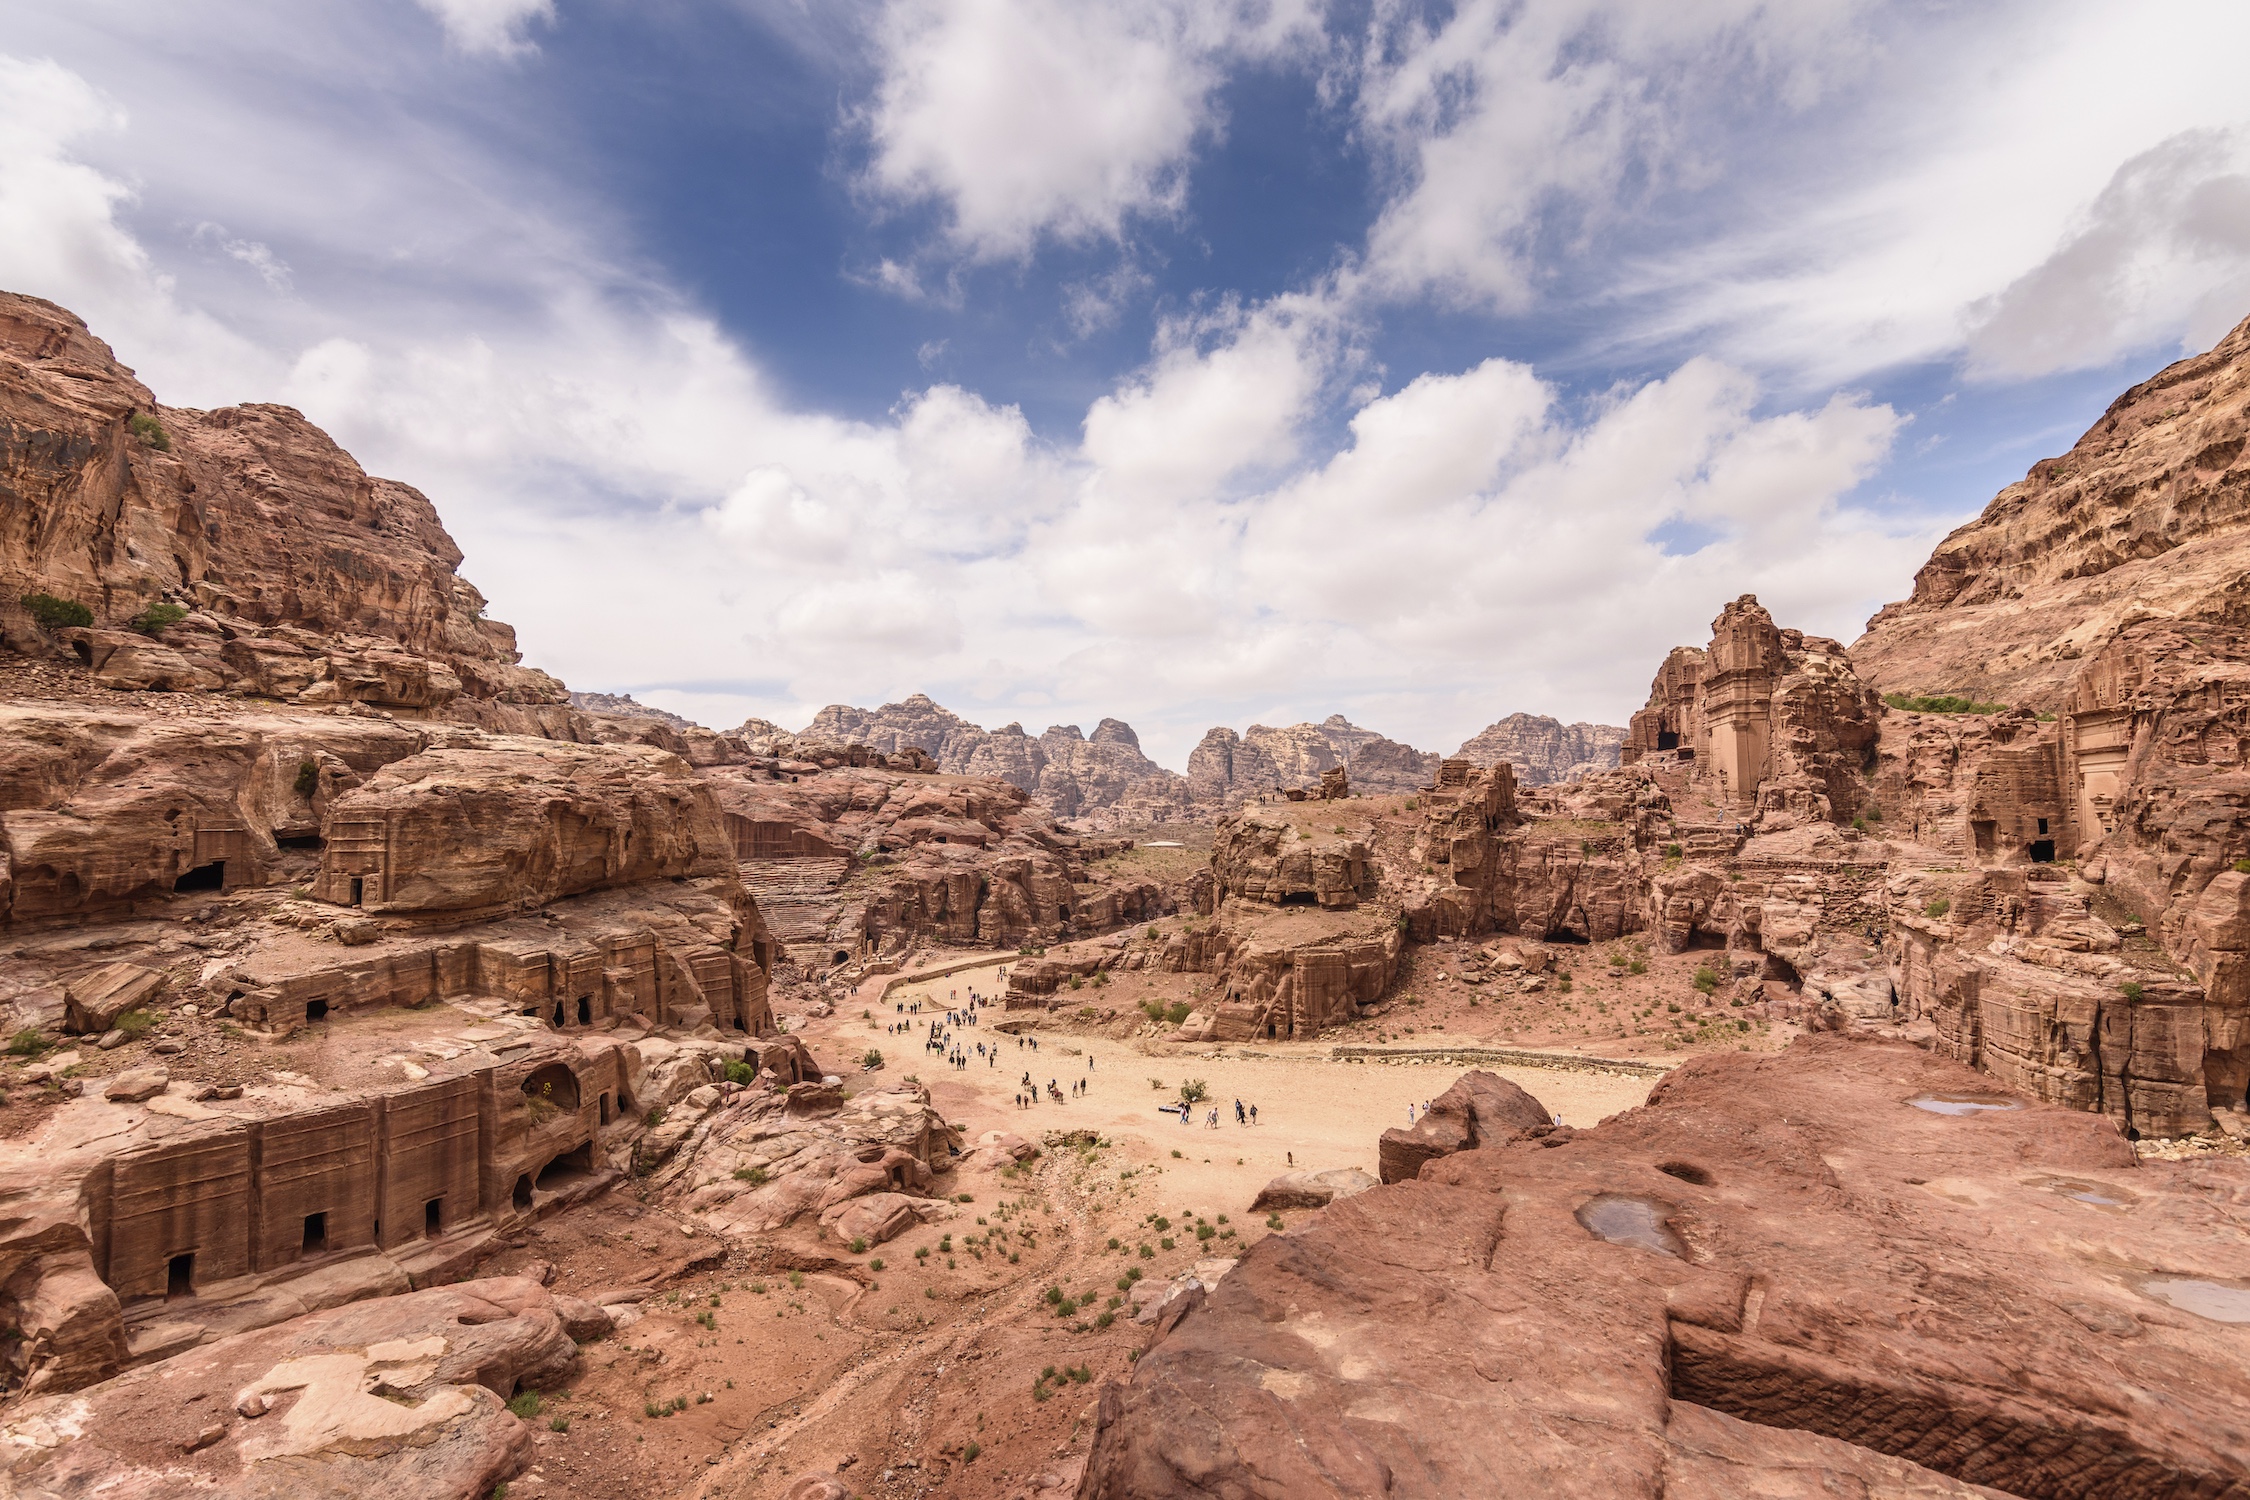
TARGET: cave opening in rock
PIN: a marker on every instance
(210, 877)
(316, 1234)
(1667, 740)
(553, 1084)
(571, 1166)
(2042, 851)
(179, 1276)
(522, 1195)
(359, 888)
(841, 957)
(299, 841)
(558, 1018)
(433, 1218)
(585, 1010)
(1300, 898)
(316, 1010)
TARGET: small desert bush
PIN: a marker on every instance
(56, 614)
(150, 431)
(157, 616)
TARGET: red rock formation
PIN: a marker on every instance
(1779, 1277)
(2147, 517)
(302, 577)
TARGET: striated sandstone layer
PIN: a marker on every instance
(2147, 517)
(300, 576)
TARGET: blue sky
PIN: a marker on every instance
(1192, 363)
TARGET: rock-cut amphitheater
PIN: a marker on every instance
(422, 1080)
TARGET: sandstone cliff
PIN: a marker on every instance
(2147, 517)
(1544, 751)
(237, 550)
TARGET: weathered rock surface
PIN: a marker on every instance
(1311, 1189)
(514, 824)
(1103, 780)
(2147, 517)
(302, 576)
(402, 1395)
(1544, 751)
(1778, 1277)
(1227, 769)
(1478, 1109)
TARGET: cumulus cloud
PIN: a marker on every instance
(2163, 252)
(1026, 119)
(497, 28)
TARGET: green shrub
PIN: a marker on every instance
(1706, 979)
(1194, 1091)
(871, 1059)
(56, 614)
(150, 431)
(2242, 867)
(1179, 1012)
(876, 1264)
(2130, 989)
(559, 1424)
(654, 1117)
(1076, 982)
(1674, 851)
(1940, 703)
(1938, 907)
(28, 1042)
(1638, 966)
(157, 616)
(741, 1072)
(308, 777)
(755, 1176)
(525, 1405)
(136, 1024)
(859, 1245)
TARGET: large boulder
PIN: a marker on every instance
(1478, 1110)
(1311, 1189)
(93, 1002)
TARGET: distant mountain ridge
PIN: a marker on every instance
(1545, 751)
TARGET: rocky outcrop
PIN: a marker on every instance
(515, 824)
(1544, 751)
(622, 705)
(237, 550)
(1227, 769)
(1772, 724)
(1478, 1109)
(1101, 781)
(1726, 1292)
(401, 1395)
(2146, 518)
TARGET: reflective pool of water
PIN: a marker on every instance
(2220, 1301)
(1625, 1220)
(1964, 1104)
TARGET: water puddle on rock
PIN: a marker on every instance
(1625, 1220)
(2220, 1301)
(1964, 1104)
(2100, 1194)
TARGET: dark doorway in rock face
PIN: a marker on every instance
(433, 1218)
(558, 1015)
(179, 1277)
(522, 1196)
(2042, 851)
(1300, 898)
(210, 877)
(1667, 740)
(585, 1010)
(316, 1233)
(316, 1010)
(298, 841)
(359, 888)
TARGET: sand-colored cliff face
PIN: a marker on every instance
(2148, 517)
(303, 577)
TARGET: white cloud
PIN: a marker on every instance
(495, 27)
(2163, 253)
(1034, 118)
(643, 505)
(1520, 126)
